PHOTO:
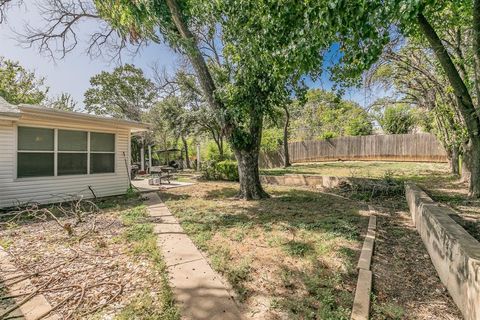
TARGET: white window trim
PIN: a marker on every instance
(55, 154)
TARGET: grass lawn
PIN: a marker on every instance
(366, 169)
(434, 178)
(292, 256)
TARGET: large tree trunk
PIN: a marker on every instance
(286, 154)
(185, 147)
(471, 167)
(464, 102)
(454, 161)
(250, 186)
(247, 158)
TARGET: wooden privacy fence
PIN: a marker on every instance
(419, 147)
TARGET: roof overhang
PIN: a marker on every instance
(8, 111)
(53, 114)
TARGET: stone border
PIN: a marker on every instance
(312, 180)
(361, 302)
(36, 306)
(453, 251)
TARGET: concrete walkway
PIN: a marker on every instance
(197, 288)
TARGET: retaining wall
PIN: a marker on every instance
(454, 253)
(309, 180)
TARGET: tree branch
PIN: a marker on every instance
(59, 35)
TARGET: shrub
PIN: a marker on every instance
(222, 170)
(210, 152)
(397, 119)
(358, 126)
(272, 139)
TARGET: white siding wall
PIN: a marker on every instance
(54, 189)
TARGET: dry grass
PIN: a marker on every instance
(114, 272)
(292, 256)
(434, 178)
(366, 169)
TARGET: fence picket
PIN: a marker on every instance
(419, 147)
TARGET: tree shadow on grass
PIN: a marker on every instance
(167, 196)
(295, 209)
(294, 224)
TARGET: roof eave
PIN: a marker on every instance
(135, 126)
(10, 115)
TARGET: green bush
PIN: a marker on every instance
(210, 152)
(397, 119)
(222, 170)
(272, 139)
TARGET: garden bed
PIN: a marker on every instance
(405, 282)
(109, 268)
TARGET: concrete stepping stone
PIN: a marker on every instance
(36, 306)
(198, 289)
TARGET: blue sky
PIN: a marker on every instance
(72, 73)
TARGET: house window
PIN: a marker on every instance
(102, 152)
(51, 152)
(72, 152)
(36, 152)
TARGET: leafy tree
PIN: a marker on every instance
(272, 138)
(18, 85)
(433, 23)
(122, 93)
(267, 48)
(63, 102)
(326, 115)
(177, 119)
(195, 115)
(358, 126)
(413, 77)
(397, 119)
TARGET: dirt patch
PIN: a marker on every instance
(94, 273)
(405, 284)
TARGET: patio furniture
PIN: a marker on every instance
(160, 173)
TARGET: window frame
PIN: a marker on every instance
(56, 152)
(90, 152)
(17, 151)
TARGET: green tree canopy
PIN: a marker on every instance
(64, 102)
(267, 47)
(326, 115)
(18, 85)
(123, 93)
(396, 119)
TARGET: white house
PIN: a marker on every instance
(47, 155)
